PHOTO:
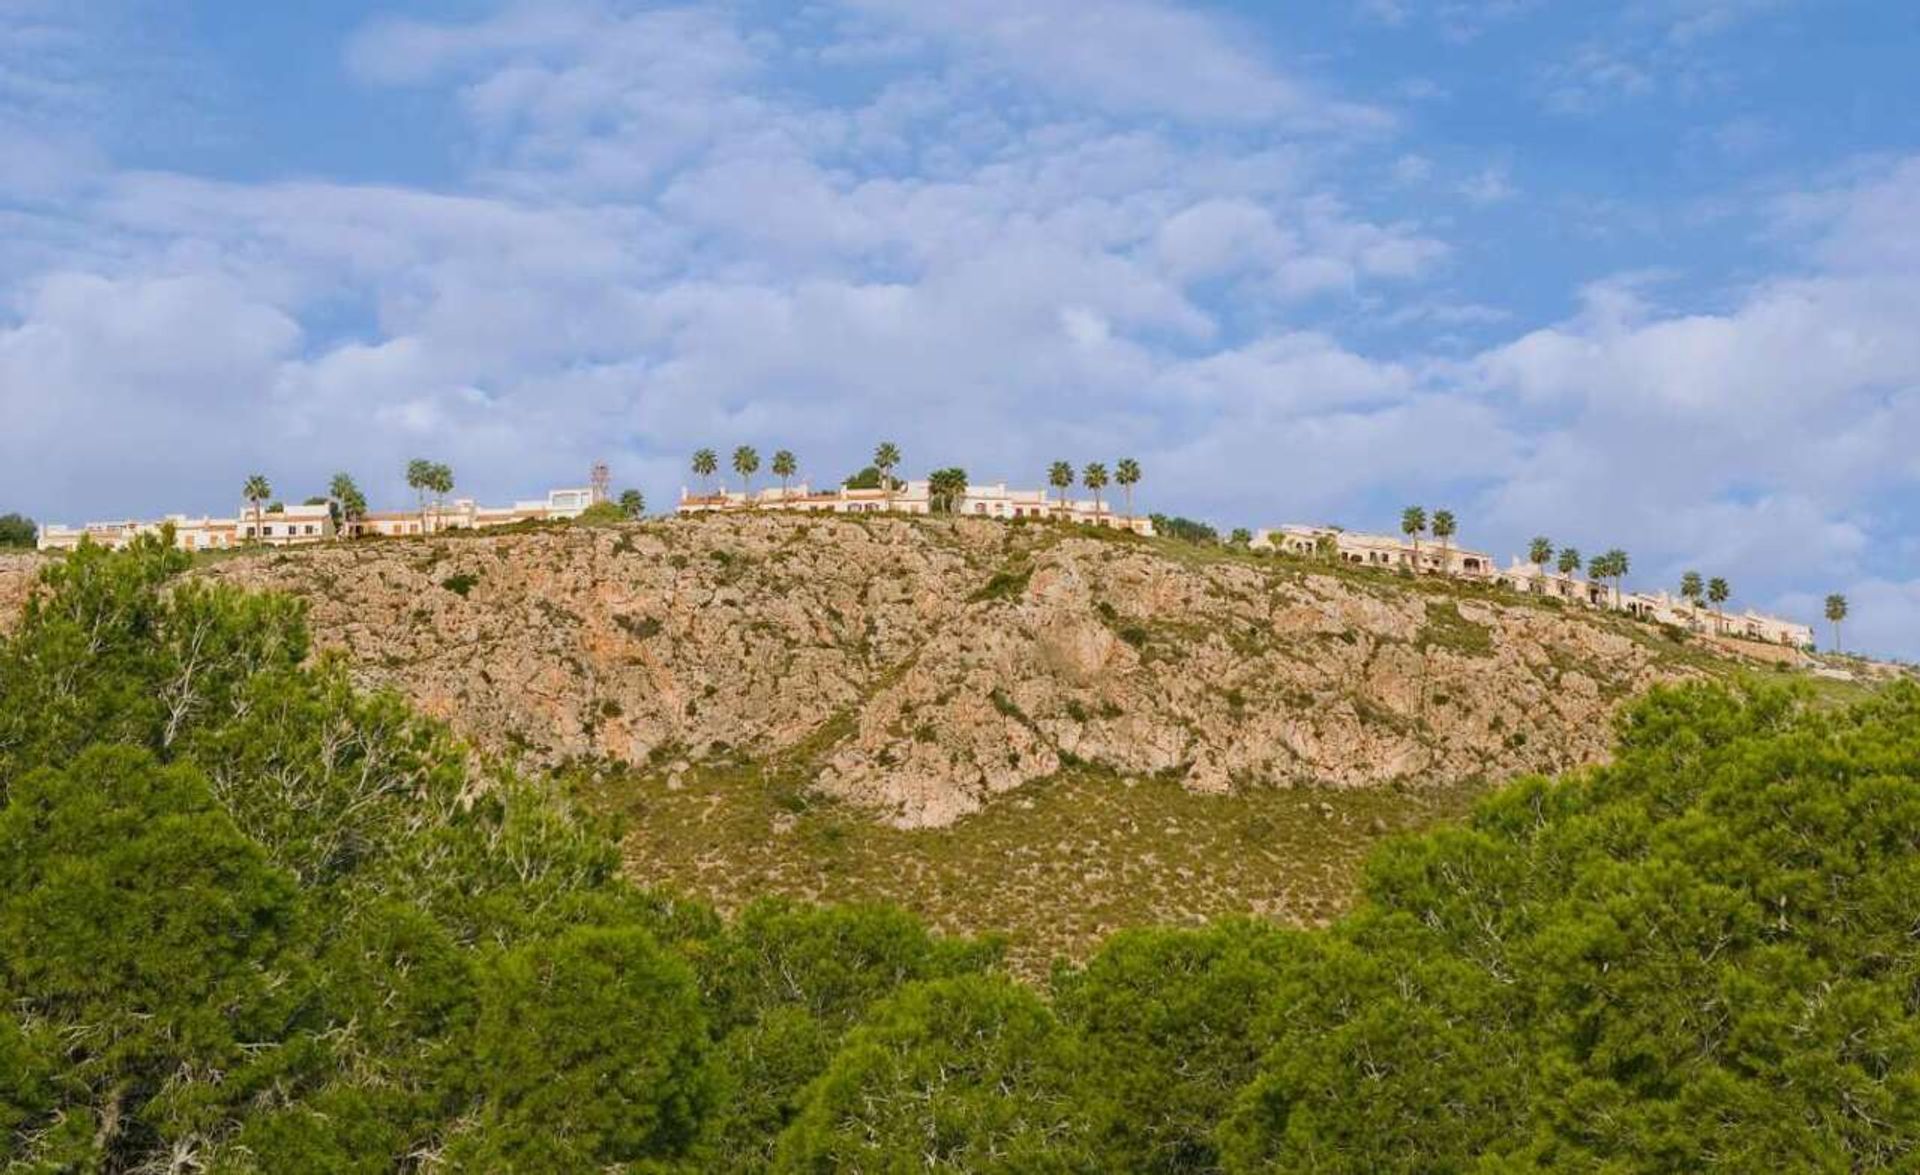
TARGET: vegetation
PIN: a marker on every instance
(746, 463)
(1718, 593)
(254, 920)
(870, 478)
(1094, 477)
(945, 488)
(1413, 523)
(1836, 612)
(1184, 530)
(256, 491)
(1060, 477)
(784, 467)
(886, 458)
(632, 503)
(17, 530)
(1444, 528)
(349, 504)
(428, 477)
(603, 514)
(705, 462)
(1126, 475)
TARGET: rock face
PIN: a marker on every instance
(921, 667)
(18, 573)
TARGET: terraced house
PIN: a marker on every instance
(995, 500)
(291, 526)
(1431, 557)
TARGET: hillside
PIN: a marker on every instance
(1025, 729)
(922, 668)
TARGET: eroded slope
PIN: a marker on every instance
(920, 667)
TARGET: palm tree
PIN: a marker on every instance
(704, 463)
(1611, 564)
(946, 487)
(1569, 563)
(1443, 529)
(1413, 520)
(1718, 593)
(1060, 477)
(1539, 551)
(784, 467)
(632, 503)
(1126, 475)
(886, 456)
(1836, 612)
(256, 491)
(1094, 477)
(1692, 587)
(420, 480)
(1326, 547)
(441, 484)
(746, 462)
(350, 502)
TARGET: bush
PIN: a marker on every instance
(17, 530)
(603, 514)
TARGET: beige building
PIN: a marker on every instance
(1658, 607)
(995, 500)
(1397, 553)
(1391, 552)
(465, 514)
(286, 526)
(298, 525)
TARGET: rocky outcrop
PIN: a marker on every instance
(19, 571)
(920, 667)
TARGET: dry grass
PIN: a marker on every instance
(1055, 867)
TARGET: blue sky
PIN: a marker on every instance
(1639, 274)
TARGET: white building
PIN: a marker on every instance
(916, 497)
(299, 525)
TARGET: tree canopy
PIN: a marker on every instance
(17, 530)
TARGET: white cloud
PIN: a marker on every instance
(1038, 233)
(1127, 56)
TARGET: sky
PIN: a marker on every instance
(1643, 274)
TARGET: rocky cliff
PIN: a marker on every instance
(921, 667)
